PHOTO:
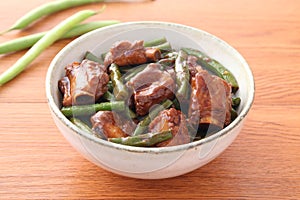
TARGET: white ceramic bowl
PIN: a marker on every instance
(150, 163)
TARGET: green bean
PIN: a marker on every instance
(28, 41)
(167, 62)
(53, 35)
(215, 67)
(91, 109)
(155, 42)
(46, 9)
(144, 140)
(134, 71)
(131, 114)
(170, 55)
(176, 104)
(92, 57)
(120, 90)
(20, 43)
(110, 86)
(236, 102)
(233, 113)
(108, 96)
(125, 69)
(143, 124)
(165, 47)
(103, 55)
(80, 124)
(182, 75)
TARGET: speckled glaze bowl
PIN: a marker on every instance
(150, 163)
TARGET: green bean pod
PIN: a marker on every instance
(233, 114)
(236, 102)
(110, 86)
(47, 9)
(144, 140)
(80, 124)
(155, 42)
(133, 71)
(215, 67)
(165, 47)
(90, 56)
(28, 41)
(120, 90)
(84, 110)
(53, 35)
(143, 124)
(182, 75)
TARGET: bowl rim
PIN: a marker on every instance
(56, 111)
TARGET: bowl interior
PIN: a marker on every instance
(99, 41)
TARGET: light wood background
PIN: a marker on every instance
(36, 162)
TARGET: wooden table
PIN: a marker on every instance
(36, 162)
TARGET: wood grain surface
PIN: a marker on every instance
(36, 162)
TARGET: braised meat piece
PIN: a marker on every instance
(111, 124)
(210, 102)
(193, 66)
(175, 121)
(125, 53)
(151, 86)
(84, 83)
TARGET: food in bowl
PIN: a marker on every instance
(148, 162)
(148, 94)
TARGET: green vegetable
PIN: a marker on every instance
(214, 66)
(133, 71)
(165, 47)
(49, 38)
(28, 41)
(120, 90)
(80, 124)
(167, 62)
(92, 57)
(47, 9)
(160, 43)
(236, 102)
(182, 75)
(144, 140)
(155, 42)
(131, 114)
(110, 86)
(234, 114)
(143, 124)
(176, 104)
(91, 109)
(108, 96)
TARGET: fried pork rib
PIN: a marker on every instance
(125, 53)
(210, 102)
(112, 125)
(84, 83)
(175, 121)
(150, 87)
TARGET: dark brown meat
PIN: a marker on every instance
(210, 102)
(194, 67)
(125, 53)
(112, 125)
(175, 121)
(84, 83)
(150, 87)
